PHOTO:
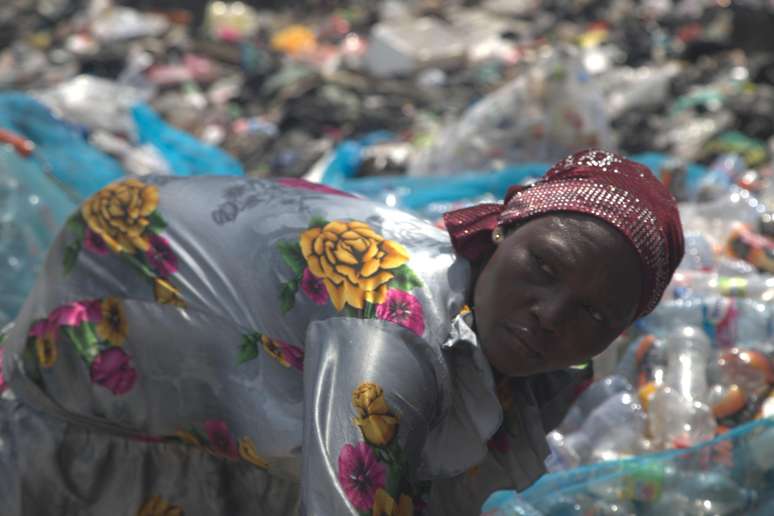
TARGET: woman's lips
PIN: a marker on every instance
(524, 337)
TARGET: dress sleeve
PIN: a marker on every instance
(370, 397)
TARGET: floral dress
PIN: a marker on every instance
(208, 346)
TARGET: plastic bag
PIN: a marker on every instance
(428, 195)
(547, 112)
(32, 209)
(82, 168)
(95, 103)
(186, 155)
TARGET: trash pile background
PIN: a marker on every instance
(430, 105)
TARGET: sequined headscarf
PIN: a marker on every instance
(621, 192)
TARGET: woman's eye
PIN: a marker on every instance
(595, 314)
(544, 267)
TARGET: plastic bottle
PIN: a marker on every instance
(761, 448)
(610, 431)
(715, 493)
(752, 247)
(596, 394)
(703, 494)
(716, 219)
(613, 508)
(679, 414)
(689, 283)
(721, 174)
(507, 503)
(699, 255)
(565, 505)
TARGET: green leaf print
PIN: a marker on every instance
(369, 310)
(86, 348)
(71, 253)
(157, 224)
(292, 255)
(76, 226)
(317, 222)
(405, 279)
(288, 296)
(249, 348)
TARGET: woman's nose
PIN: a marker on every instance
(551, 311)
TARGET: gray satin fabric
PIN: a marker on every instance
(68, 438)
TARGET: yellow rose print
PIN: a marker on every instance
(47, 351)
(247, 452)
(119, 214)
(368, 398)
(274, 350)
(166, 294)
(156, 506)
(374, 419)
(112, 326)
(384, 505)
(353, 261)
(187, 438)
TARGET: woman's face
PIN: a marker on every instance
(557, 291)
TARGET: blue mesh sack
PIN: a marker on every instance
(731, 474)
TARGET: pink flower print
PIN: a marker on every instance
(402, 308)
(314, 288)
(112, 370)
(40, 328)
(293, 355)
(94, 243)
(220, 439)
(2, 380)
(160, 256)
(75, 314)
(360, 474)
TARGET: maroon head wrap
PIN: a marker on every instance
(621, 192)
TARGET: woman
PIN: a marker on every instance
(232, 346)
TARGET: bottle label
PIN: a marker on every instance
(733, 287)
(644, 483)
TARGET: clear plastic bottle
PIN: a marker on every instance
(679, 414)
(715, 493)
(508, 503)
(687, 283)
(611, 430)
(761, 450)
(591, 398)
(565, 505)
(721, 174)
